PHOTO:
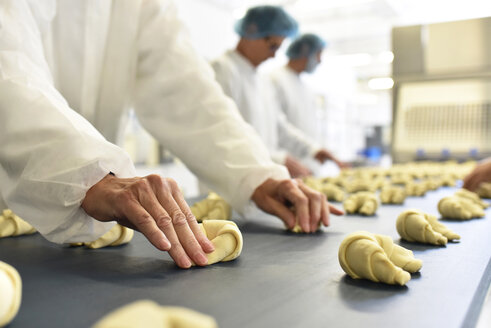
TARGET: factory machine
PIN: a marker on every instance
(442, 91)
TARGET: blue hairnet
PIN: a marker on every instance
(263, 21)
(305, 46)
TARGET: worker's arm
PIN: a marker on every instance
(179, 102)
(50, 156)
(53, 160)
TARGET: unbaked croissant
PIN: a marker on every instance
(454, 207)
(416, 189)
(330, 190)
(226, 237)
(392, 195)
(12, 225)
(364, 255)
(148, 314)
(472, 196)
(212, 208)
(10, 293)
(359, 184)
(118, 235)
(363, 202)
(416, 226)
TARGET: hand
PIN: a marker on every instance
(482, 173)
(310, 207)
(154, 206)
(324, 155)
(295, 168)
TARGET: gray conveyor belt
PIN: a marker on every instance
(280, 280)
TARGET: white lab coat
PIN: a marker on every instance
(296, 100)
(61, 61)
(254, 95)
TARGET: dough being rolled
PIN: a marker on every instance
(12, 225)
(212, 208)
(148, 314)
(226, 237)
(118, 235)
(362, 202)
(454, 207)
(364, 255)
(392, 195)
(472, 196)
(416, 226)
(10, 293)
(484, 190)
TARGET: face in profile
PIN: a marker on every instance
(268, 46)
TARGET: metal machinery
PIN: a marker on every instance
(442, 91)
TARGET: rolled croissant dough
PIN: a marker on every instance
(148, 314)
(363, 255)
(459, 208)
(10, 293)
(212, 208)
(392, 195)
(415, 226)
(363, 202)
(12, 225)
(226, 237)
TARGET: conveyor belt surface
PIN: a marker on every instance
(280, 280)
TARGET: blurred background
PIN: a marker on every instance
(401, 80)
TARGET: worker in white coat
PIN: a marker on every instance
(68, 71)
(262, 31)
(295, 99)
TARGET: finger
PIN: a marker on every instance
(165, 223)
(283, 212)
(138, 217)
(205, 243)
(334, 210)
(184, 239)
(325, 213)
(470, 182)
(290, 191)
(315, 205)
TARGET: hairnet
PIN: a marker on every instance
(305, 46)
(263, 21)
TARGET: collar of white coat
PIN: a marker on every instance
(241, 61)
(290, 72)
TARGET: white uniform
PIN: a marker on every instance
(254, 96)
(296, 100)
(98, 58)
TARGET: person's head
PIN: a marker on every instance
(262, 31)
(305, 52)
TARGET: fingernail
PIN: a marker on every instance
(202, 260)
(165, 243)
(186, 263)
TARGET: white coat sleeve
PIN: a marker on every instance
(49, 155)
(293, 139)
(179, 102)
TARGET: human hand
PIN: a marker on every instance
(292, 201)
(295, 168)
(482, 173)
(154, 206)
(324, 155)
